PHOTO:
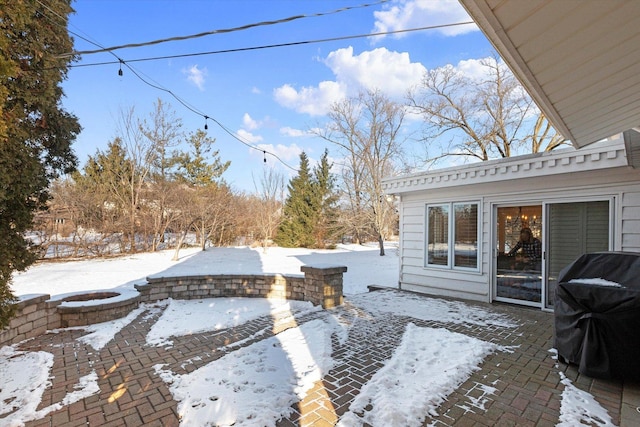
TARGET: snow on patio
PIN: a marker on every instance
(256, 384)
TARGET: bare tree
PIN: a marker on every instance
(213, 212)
(140, 154)
(270, 198)
(209, 200)
(483, 117)
(544, 137)
(366, 129)
(184, 220)
(162, 132)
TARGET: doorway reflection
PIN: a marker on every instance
(519, 259)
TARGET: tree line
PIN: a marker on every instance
(144, 193)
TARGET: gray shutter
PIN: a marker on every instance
(574, 229)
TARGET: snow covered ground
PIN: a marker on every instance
(256, 385)
(365, 267)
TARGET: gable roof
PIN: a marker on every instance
(579, 59)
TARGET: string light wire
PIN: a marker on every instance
(193, 109)
(148, 81)
(157, 86)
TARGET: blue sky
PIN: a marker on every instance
(269, 98)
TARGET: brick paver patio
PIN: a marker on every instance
(525, 387)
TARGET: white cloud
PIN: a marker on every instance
(196, 75)
(478, 70)
(391, 72)
(249, 123)
(474, 68)
(248, 136)
(406, 14)
(314, 101)
(294, 133)
(284, 152)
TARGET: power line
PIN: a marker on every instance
(271, 46)
(223, 31)
(148, 81)
(157, 86)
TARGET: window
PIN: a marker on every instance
(461, 251)
(438, 240)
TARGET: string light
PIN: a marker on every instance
(163, 89)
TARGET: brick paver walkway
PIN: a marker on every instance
(520, 387)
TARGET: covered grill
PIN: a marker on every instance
(597, 315)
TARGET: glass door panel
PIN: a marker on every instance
(519, 254)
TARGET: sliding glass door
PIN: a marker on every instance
(535, 242)
(574, 229)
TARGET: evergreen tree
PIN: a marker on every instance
(324, 202)
(200, 167)
(296, 228)
(309, 210)
(35, 132)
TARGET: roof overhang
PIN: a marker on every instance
(579, 59)
(610, 155)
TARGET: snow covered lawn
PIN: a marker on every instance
(365, 267)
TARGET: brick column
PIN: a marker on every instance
(323, 284)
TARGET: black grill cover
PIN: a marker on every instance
(598, 327)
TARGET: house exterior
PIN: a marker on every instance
(578, 59)
(458, 225)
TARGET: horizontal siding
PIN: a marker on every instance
(631, 221)
(631, 198)
(420, 281)
(413, 244)
(630, 212)
(631, 243)
(413, 228)
(631, 226)
(416, 210)
(412, 254)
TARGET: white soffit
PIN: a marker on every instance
(579, 59)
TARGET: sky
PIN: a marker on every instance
(269, 98)
(256, 384)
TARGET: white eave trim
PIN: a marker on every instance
(598, 156)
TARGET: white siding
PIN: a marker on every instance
(621, 186)
(437, 281)
(631, 220)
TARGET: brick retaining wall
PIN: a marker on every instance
(228, 285)
(82, 315)
(36, 314)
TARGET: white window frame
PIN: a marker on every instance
(451, 236)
